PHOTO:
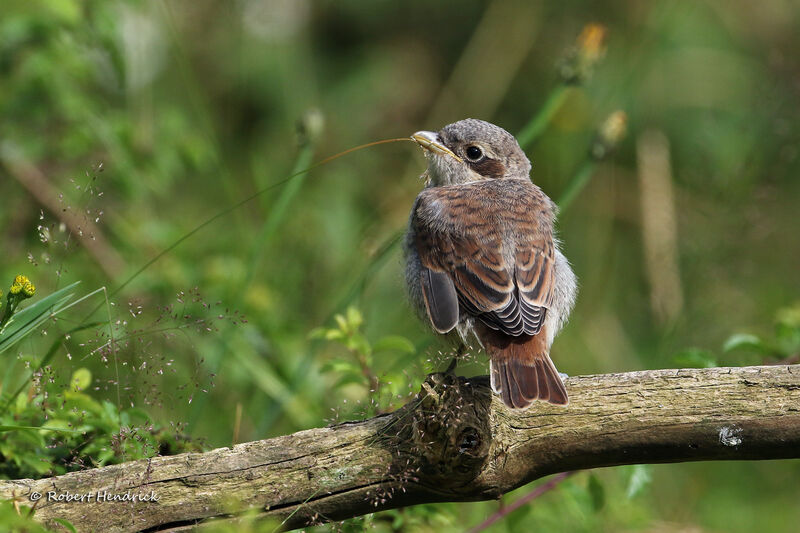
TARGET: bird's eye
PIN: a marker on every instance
(474, 153)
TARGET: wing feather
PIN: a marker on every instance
(461, 232)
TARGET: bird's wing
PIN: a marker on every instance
(459, 240)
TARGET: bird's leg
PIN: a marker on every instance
(460, 351)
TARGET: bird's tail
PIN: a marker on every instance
(521, 370)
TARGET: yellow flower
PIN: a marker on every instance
(579, 62)
(592, 42)
(22, 285)
(29, 289)
(613, 129)
(611, 132)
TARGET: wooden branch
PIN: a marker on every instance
(454, 442)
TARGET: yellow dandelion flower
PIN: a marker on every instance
(613, 129)
(577, 65)
(611, 132)
(592, 42)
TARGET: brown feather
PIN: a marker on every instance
(521, 369)
(460, 231)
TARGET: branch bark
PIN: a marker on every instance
(454, 442)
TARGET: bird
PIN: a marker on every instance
(483, 261)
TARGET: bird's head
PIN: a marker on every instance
(472, 150)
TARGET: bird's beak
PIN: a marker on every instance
(429, 140)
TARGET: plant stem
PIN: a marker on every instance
(278, 211)
(576, 184)
(536, 126)
(532, 495)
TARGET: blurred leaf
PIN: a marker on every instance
(359, 344)
(695, 358)
(34, 428)
(66, 524)
(81, 379)
(395, 382)
(354, 317)
(596, 492)
(340, 366)
(394, 343)
(789, 316)
(640, 479)
(318, 333)
(398, 521)
(515, 521)
(347, 379)
(744, 341)
(68, 11)
(787, 330)
(19, 519)
(333, 334)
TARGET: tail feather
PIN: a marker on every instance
(521, 371)
(520, 384)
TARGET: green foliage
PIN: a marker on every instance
(358, 366)
(597, 492)
(57, 431)
(17, 517)
(640, 478)
(695, 358)
(56, 428)
(16, 325)
(424, 517)
(784, 347)
(245, 522)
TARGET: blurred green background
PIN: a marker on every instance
(133, 122)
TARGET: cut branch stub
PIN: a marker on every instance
(450, 433)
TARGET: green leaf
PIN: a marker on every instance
(45, 360)
(349, 378)
(333, 335)
(354, 317)
(516, 519)
(28, 319)
(695, 358)
(66, 12)
(640, 479)
(787, 336)
(398, 521)
(745, 341)
(81, 379)
(358, 344)
(318, 333)
(66, 523)
(340, 366)
(35, 428)
(789, 316)
(596, 492)
(395, 343)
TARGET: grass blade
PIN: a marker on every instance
(32, 316)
